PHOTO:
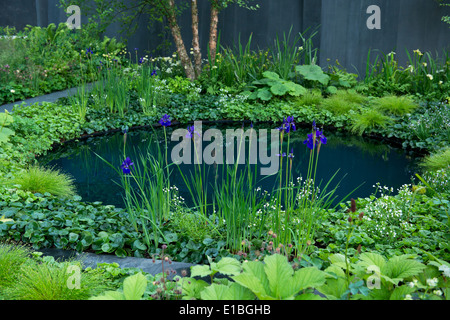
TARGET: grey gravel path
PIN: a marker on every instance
(51, 97)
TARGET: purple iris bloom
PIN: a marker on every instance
(322, 138)
(191, 131)
(291, 155)
(165, 121)
(89, 51)
(288, 123)
(154, 73)
(309, 141)
(317, 137)
(282, 154)
(141, 60)
(126, 165)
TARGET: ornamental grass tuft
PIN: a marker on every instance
(41, 180)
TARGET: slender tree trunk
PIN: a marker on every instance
(213, 30)
(196, 40)
(181, 49)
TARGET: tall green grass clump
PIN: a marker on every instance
(369, 119)
(310, 98)
(53, 281)
(12, 257)
(437, 161)
(41, 180)
(396, 105)
(342, 102)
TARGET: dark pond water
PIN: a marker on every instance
(360, 162)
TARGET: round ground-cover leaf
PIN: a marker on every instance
(138, 245)
(171, 237)
(73, 237)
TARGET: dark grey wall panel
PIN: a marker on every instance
(343, 34)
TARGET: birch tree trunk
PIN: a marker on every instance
(196, 40)
(213, 30)
(181, 49)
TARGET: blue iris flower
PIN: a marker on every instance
(165, 121)
(126, 165)
(191, 131)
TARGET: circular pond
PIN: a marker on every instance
(359, 163)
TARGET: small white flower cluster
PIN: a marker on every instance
(170, 65)
(385, 215)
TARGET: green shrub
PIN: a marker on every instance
(41, 180)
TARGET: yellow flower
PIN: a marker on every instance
(418, 52)
(430, 76)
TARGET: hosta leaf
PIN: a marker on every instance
(134, 286)
(334, 288)
(370, 259)
(228, 266)
(400, 292)
(255, 279)
(400, 268)
(338, 260)
(237, 292)
(200, 271)
(309, 277)
(309, 296)
(279, 273)
(214, 292)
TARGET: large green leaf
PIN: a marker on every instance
(313, 73)
(401, 267)
(279, 273)
(271, 75)
(338, 259)
(255, 279)
(264, 94)
(334, 288)
(309, 277)
(5, 119)
(134, 286)
(222, 292)
(227, 266)
(5, 133)
(214, 292)
(371, 258)
(279, 89)
(400, 292)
